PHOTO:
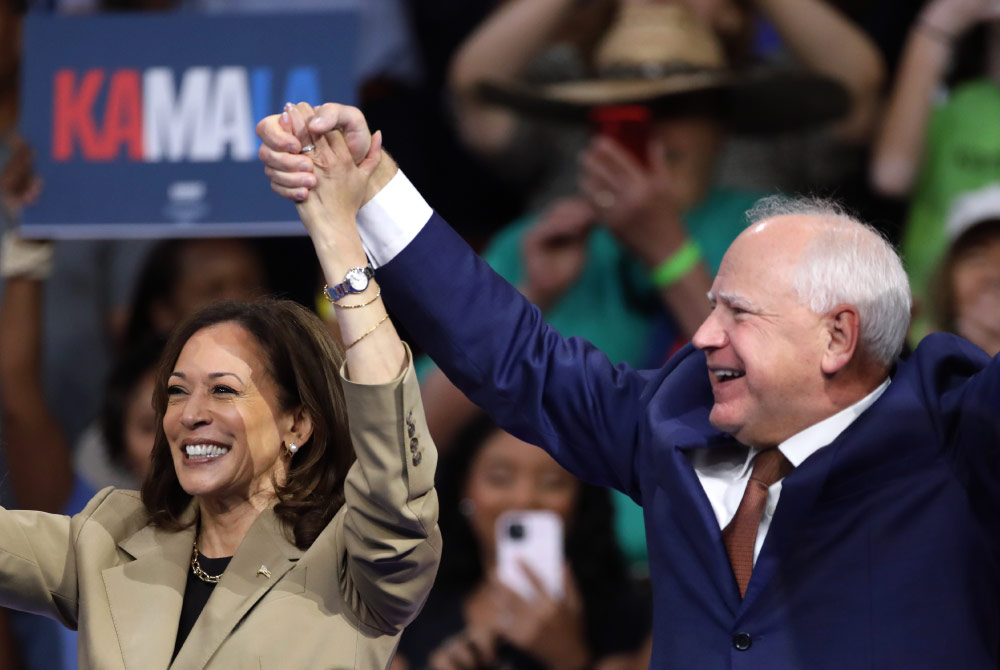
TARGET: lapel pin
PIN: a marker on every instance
(262, 570)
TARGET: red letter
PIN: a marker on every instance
(122, 117)
(73, 113)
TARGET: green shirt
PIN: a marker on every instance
(962, 153)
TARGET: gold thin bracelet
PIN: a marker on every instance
(364, 304)
(370, 331)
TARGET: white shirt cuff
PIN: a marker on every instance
(390, 220)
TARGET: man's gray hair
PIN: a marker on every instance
(849, 262)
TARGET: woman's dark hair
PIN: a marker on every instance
(157, 281)
(590, 543)
(942, 289)
(304, 361)
(128, 371)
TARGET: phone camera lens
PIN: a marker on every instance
(516, 531)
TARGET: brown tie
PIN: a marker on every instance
(740, 535)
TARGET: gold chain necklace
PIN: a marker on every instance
(196, 568)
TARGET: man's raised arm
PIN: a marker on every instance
(561, 394)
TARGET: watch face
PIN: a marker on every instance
(356, 279)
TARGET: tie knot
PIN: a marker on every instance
(769, 466)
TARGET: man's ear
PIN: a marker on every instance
(301, 428)
(843, 328)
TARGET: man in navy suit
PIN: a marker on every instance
(875, 547)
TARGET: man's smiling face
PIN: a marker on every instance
(763, 346)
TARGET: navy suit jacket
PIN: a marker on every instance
(882, 552)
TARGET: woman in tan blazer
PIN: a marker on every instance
(255, 542)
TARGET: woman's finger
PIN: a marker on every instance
(290, 179)
(296, 194)
(276, 135)
(284, 161)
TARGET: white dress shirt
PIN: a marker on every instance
(390, 221)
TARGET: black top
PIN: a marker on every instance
(196, 594)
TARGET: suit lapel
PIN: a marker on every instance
(697, 519)
(242, 585)
(145, 594)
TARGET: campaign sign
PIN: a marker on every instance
(143, 125)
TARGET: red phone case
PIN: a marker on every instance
(629, 125)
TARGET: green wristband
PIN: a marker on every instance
(675, 266)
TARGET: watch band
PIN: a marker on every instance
(338, 291)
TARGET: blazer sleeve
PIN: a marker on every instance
(38, 560)
(390, 532)
(559, 393)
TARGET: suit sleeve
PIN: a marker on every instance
(559, 393)
(38, 561)
(963, 386)
(390, 532)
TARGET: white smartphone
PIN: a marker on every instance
(534, 538)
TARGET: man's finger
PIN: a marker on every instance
(374, 157)
(350, 121)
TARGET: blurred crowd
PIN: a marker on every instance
(489, 107)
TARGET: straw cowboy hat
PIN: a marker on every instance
(662, 57)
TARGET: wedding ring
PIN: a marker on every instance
(604, 199)
(307, 148)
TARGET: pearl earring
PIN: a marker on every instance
(292, 448)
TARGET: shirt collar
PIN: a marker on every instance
(805, 443)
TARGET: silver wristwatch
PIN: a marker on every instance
(355, 281)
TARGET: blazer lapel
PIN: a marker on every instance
(243, 583)
(145, 594)
(697, 519)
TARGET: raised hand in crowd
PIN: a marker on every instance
(642, 206)
(550, 630)
(19, 184)
(899, 147)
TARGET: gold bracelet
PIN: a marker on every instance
(337, 304)
(370, 331)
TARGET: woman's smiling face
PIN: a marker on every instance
(224, 421)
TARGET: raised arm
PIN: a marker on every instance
(37, 453)
(559, 393)
(899, 147)
(389, 531)
(826, 41)
(499, 50)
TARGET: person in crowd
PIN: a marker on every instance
(253, 483)
(804, 507)
(554, 40)
(180, 276)
(940, 136)
(965, 299)
(601, 621)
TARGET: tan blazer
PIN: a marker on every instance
(340, 604)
